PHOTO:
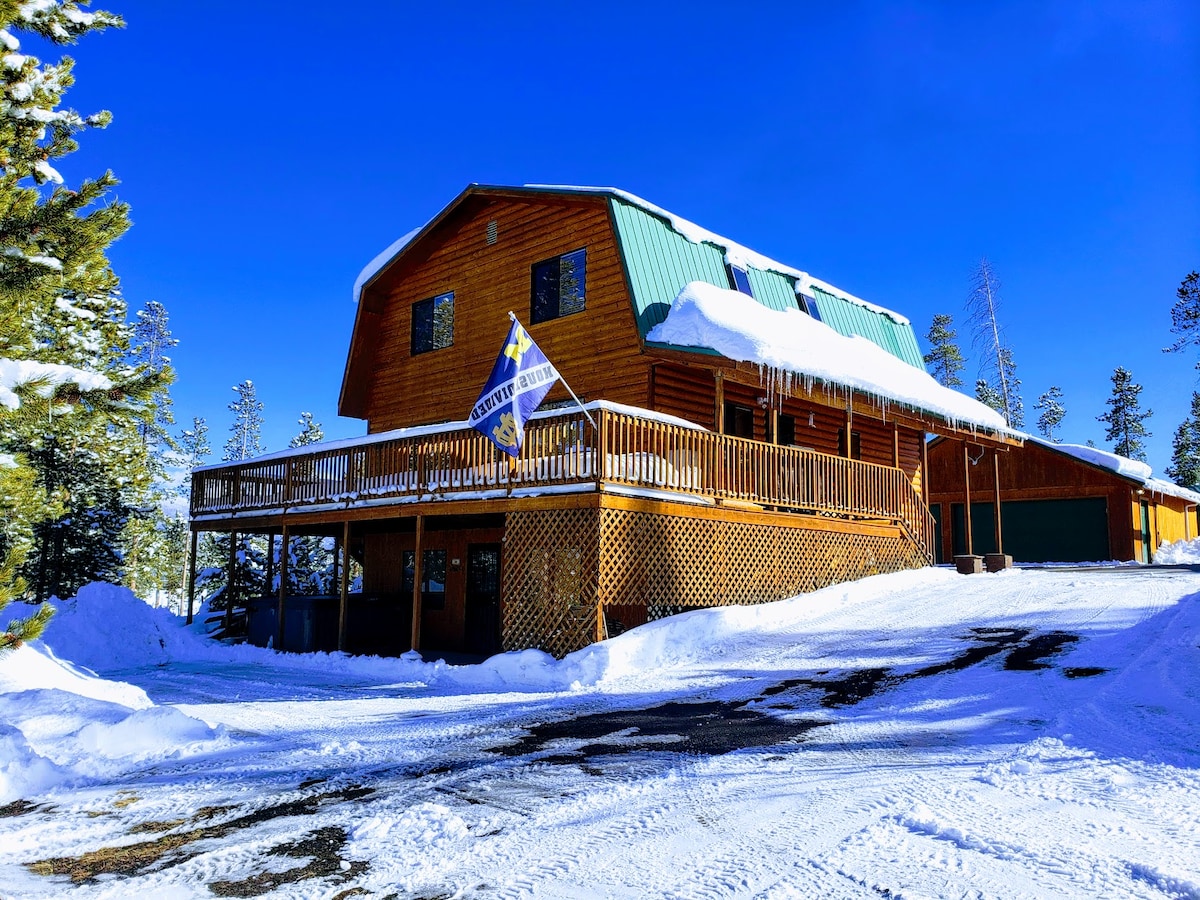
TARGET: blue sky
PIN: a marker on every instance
(268, 155)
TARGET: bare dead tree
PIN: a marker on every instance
(996, 361)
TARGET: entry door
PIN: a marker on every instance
(482, 615)
(1145, 531)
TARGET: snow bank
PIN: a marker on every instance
(1178, 553)
(789, 341)
(63, 723)
(60, 724)
(107, 627)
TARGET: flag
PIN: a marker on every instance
(520, 379)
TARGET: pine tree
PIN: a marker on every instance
(1125, 418)
(1185, 314)
(244, 440)
(1185, 449)
(988, 395)
(309, 562)
(1052, 413)
(310, 432)
(152, 335)
(194, 447)
(63, 323)
(997, 366)
(944, 358)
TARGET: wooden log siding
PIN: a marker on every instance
(596, 350)
(629, 451)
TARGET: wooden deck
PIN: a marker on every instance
(624, 453)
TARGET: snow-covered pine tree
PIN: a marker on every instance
(1052, 412)
(152, 336)
(244, 442)
(944, 358)
(1185, 314)
(1125, 419)
(988, 395)
(64, 318)
(194, 447)
(1185, 448)
(154, 537)
(310, 563)
(310, 432)
(997, 366)
(245, 439)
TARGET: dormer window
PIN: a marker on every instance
(559, 286)
(433, 323)
(740, 279)
(809, 305)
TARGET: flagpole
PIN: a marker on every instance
(578, 402)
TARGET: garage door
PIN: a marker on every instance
(1039, 530)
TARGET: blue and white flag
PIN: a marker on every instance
(520, 379)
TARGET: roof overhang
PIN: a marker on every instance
(836, 396)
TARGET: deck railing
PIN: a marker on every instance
(642, 454)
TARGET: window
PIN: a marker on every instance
(558, 286)
(740, 279)
(433, 577)
(739, 420)
(809, 305)
(855, 443)
(433, 324)
(785, 430)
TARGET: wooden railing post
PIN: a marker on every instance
(600, 456)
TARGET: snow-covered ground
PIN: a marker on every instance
(1032, 733)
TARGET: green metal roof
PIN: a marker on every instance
(660, 261)
(849, 318)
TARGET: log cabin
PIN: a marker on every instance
(745, 432)
(1058, 503)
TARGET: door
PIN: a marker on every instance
(481, 624)
(1145, 531)
(1038, 531)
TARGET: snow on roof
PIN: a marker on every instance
(735, 253)
(1132, 469)
(791, 342)
(374, 266)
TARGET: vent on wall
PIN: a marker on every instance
(493, 231)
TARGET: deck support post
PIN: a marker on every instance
(285, 546)
(995, 562)
(191, 584)
(996, 503)
(967, 498)
(418, 577)
(231, 584)
(968, 563)
(270, 564)
(343, 583)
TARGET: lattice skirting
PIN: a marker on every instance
(565, 568)
(550, 579)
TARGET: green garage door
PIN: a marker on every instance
(1039, 530)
